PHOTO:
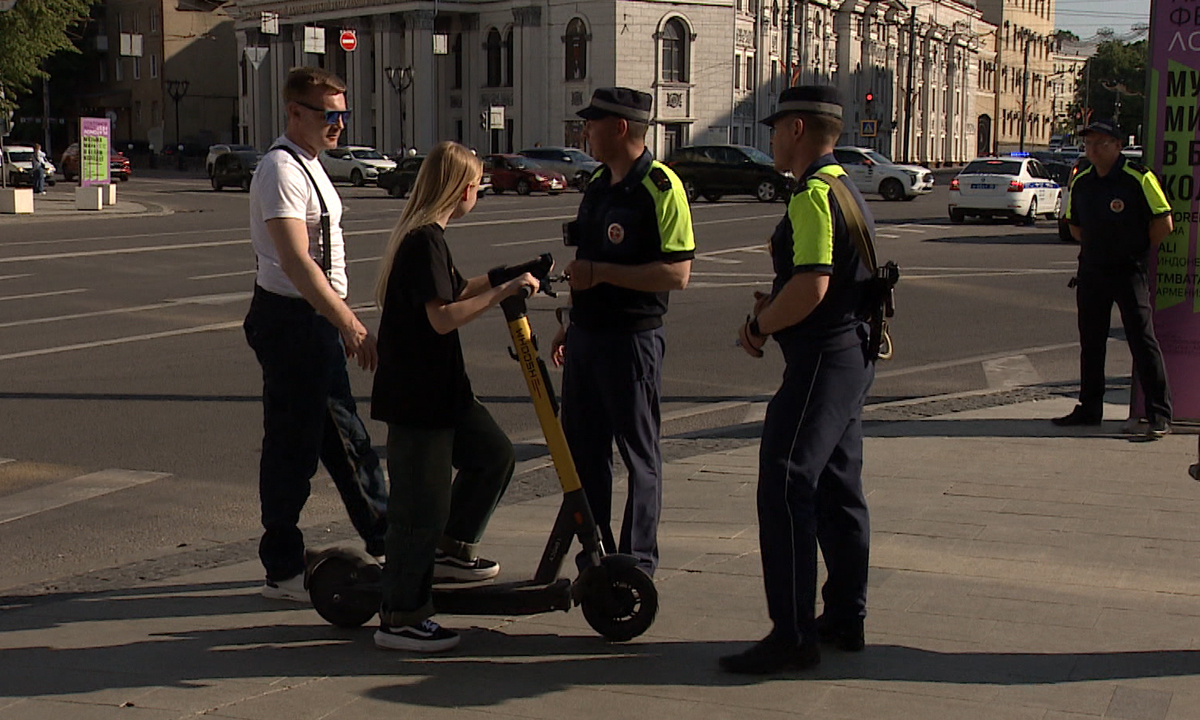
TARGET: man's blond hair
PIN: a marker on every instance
(301, 82)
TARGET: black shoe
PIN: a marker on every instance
(1078, 417)
(1158, 428)
(846, 635)
(770, 655)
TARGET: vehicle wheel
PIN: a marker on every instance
(496, 190)
(623, 607)
(215, 185)
(766, 191)
(582, 180)
(957, 216)
(522, 187)
(690, 190)
(356, 178)
(1031, 216)
(712, 197)
(397, 190)
(337, 588)
(245, 184)
(1057, 207)
(891, 189)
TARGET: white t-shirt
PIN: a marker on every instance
(281, 189)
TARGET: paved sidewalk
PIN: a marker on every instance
(59, 204)
(1018, 571)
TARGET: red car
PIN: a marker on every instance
(522, 175)
(68, 164)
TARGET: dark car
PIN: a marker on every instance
(523, 175)
(399, 180)
(234, 169)
(573, 163)
(714, 171)
(1064, 229)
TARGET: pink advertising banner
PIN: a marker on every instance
(1173, 151)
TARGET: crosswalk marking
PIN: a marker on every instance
(67, 492)
(1008, 372)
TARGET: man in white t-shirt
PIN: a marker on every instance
(302, 331)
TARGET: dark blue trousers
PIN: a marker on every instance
(810, 491)
(309, 415)
(611, 390)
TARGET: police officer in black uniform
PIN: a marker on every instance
(1119, 215)
(810, 458)
(634, 244)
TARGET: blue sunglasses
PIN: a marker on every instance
(332, 117)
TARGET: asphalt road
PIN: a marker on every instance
(121, 347)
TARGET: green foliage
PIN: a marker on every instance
(29, 33)
(1117, 68)
(1065, 35)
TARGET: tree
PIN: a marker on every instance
(1114, 83)
(29, 33)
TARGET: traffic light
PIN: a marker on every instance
(483, 120)
(870, 97)
(870, 108)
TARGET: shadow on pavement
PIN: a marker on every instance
(991, 428)
(1050, 237)
(490, 668)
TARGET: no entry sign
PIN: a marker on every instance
(348, 40)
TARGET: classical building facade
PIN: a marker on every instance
(1070, 59)
(501, 76)
(1025, 46)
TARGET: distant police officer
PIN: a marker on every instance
(634, 244)
(1119, 215)
(810, 458)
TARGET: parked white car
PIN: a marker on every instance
(872, 172)
(357, 163)
(1010, 186)
(17, 166)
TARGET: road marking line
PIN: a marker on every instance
(514, 243)
(214, 276)
(997, 273)
(16, 277)
(30, 296)
(904, 228)
(887, 235)
(945, 364)
(122, 340)
(123, 251)
(126, 237)
(1009, 372)
(68, 492)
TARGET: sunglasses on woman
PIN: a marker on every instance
(332, 117)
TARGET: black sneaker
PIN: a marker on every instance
(1158, 428)
(425, 636)
(771, 655)
(447, 568)
(1078, 417)
(846, 636)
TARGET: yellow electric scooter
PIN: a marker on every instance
(618, 598)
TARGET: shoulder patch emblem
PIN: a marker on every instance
(1117, 205)
(616, 234)
(659, 177)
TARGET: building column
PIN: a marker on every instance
(473, 135)
(421, 98)
(529, 83)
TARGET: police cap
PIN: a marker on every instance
(621, 102)
(1107, 126)
(814, 99)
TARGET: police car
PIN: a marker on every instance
(1014, 186)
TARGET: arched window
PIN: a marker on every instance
(508, 58)
(674, 51)
(494, 59)
(576, 40)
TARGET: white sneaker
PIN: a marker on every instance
(291, 589)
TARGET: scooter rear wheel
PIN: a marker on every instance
(625, 606)
(339, 590)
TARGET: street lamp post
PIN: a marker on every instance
(177, 89)
(401, 79)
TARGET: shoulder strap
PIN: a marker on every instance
(326, 230)
(853, 216)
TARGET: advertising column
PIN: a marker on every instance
(1173, 152)
(94, 143)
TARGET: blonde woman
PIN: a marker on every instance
(435, 424)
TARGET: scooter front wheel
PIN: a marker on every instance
(622, 604)
(345, 591)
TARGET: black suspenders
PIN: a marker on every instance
(326, 232)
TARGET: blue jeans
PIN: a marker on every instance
(309, 415)
(39, 177)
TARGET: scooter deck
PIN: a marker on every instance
(523, 597)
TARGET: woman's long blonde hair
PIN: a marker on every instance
(445, 174)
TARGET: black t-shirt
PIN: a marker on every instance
(1114, 213)
(421, 380)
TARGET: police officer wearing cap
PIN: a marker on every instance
(634, 244)
(810, 458)
(1119, 215)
